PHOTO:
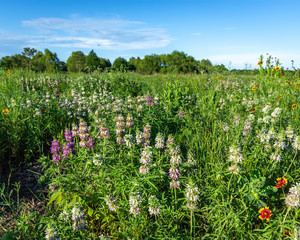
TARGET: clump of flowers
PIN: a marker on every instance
(64, 216)
(139, 137)
(281, 182)
(159, 141)
(111, 203)
(292, 199)
(235, 155)
(146, 134)
(129, 140)
(104, 132)
(120, 129)
(265, 213)
(97, 160)
(154, 207)
(55, 148)
(191, 195)
(135, 199)
(145, 160)
(51, 233)
(68, 135)
(129, 121)
(78, 217)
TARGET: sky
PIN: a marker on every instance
(233, 32)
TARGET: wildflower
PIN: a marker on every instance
(174, 172)
(104, 132)
(294, 105)
(55, 146)
(289, 132)
(281, 182)
(146, 155)
(5, 111)
(139, 137)
(68, 135)
(97, 160)
(75, 130)
(146, 134)
(174, 184)
(111, 203)
(102, 236)
(259, 63)
(154, 208)
(51, 233)
(129, 140)
(175, 159)
(159, 141)
(78, 217)
(276, 157)
(135, 199)
(144, 169)
(90, 142)
(265, 213)
(235, 155)
(191, 192)
(296, 143)
(235, 169)
(170, 140)
(191, 159)
(129, 121)
(287, 233)
(254, 88)
(277, 68)
(180, 113)
(276, 112)
(292, 200)
(64, 216)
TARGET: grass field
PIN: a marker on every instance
(128, 156)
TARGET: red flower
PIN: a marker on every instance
(265, 213)
(281, 182)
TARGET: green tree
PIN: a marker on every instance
(150, 64)
(104, 64)
(92, 61)
(29, 53)
(51, 61)
(38, 62)
(76, 62)
(120, 64)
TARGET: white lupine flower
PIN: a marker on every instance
(146, 155)
(159, 141)
(279, 145)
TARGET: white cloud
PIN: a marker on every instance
(113, 34)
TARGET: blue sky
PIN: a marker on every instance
(233, 33)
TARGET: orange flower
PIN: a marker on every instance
(265, 213)
(5, 111)
(281, 182)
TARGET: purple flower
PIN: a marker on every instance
(174, 184)
(56, 157)
(68, 135)
(56, 94)
(90, 142)
(174, 173)
(55, 146)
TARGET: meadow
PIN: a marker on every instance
(165, 156)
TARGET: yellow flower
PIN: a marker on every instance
(277, 68)
(5, 111)
(289, 83)
(253, 88)
(294, 106)
(259, 63)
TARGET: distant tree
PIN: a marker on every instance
(205, 66)
(39, 62)
(104, 64)
(51, 61)
(92, 61)
(150, 64)
(120, 64)
(29, 53)
(76, 62)
(6, 62)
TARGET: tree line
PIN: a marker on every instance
(47, 61)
